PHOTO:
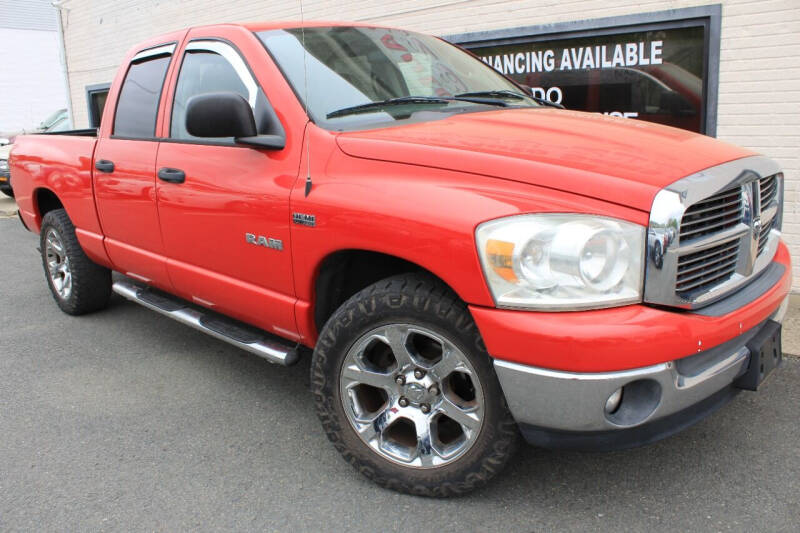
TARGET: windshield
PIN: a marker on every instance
(354, 67)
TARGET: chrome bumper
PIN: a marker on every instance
(576, 402)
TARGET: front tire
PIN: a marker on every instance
(78, 285)
(407, 393)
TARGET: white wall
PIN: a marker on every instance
(31, 79)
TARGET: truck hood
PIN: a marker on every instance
(624, 161)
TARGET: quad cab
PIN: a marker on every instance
(468, 264)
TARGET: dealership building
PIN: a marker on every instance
(728, 69)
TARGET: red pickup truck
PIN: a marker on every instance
(468, 264)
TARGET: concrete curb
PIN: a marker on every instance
(8, 208)
(790, 334)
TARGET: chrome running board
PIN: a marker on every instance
(253, 340)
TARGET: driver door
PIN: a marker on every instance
(224, 208)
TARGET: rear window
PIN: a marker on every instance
(137, 105)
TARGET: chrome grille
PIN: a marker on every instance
(699, 271)
(712, 232)
(769, 189)
(712, 215)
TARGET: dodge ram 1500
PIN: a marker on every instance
(468, 264)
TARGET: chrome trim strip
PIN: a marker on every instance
(157, 51)
(134, 275)
(235, 60)
(663, 236)
(696, 245)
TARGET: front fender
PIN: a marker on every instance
(424, 215)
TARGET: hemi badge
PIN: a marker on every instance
(304, 220)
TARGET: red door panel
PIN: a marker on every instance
(126, 204)
(229, 192)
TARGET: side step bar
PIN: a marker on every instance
(240, 335)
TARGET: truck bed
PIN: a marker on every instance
(62, 165)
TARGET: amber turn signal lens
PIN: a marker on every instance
(499, 255)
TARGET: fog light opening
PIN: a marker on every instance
(633, 403)
(613, 402)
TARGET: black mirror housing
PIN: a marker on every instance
(270, 142)
(220, 115)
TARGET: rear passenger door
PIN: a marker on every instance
(124, 174)
(225, 222)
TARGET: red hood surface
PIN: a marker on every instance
(625, 161)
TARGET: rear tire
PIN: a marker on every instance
(78, 285)
(401, 355)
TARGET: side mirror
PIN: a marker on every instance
(227, 115)
(4, 141)
(220, 115)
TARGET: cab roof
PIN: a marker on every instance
(253, 27)
(263, 26)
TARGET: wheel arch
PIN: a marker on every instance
(341, 274)
(44, 201)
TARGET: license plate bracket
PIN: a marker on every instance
(765, 356)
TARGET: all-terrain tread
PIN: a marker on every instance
(91, 283)
(423, 294)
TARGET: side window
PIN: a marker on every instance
(137, 105)
(211, 67)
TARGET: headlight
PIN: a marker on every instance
(3, 164)
(562, 261)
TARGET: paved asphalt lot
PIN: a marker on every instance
(123, 420)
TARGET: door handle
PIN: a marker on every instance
(104, 165)
(171, 175)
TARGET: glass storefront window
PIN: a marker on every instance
(656, 75)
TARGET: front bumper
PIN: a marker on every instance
(567, 409)
(560, 399)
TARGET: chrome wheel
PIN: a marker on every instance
(411, 395)
(58, 267)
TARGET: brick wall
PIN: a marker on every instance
(759, 91)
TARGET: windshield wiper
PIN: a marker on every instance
(404, 100)
(545, 101)
(495, 94)
(513, 95)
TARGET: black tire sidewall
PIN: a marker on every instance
(91, 283)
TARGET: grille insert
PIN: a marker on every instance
(706, 268)
(712, 215)
(769, 190)
(763, 235)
